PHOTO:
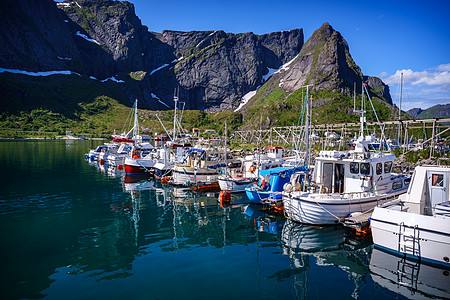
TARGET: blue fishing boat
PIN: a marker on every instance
(270, 183)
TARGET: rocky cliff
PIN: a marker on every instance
(325, 63)
(215, 69)
(36, 36)
(212, 70)
(105, 38)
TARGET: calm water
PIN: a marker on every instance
(72, 231)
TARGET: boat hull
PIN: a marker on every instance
(137, 166)
(235, 185)
(135, 170)
(187, 177)
(255, 196)
(396, 231)
(323, 211)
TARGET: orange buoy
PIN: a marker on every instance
(279, 209)
(362, 231)
(165, 179)
(224, 198)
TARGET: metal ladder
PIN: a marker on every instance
(407, 243)
(408, 273)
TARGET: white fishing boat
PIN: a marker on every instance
(233, 179)
(118, 158)
(142, 155)
(198, 168)
(344, 183)
(418, 225)
(98, 154)
(141, 159)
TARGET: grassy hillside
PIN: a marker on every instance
(272, 106)
(58, 103)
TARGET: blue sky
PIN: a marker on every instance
(384, 36)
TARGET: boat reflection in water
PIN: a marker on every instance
(263, 221)
(310, 247)
(411, 279)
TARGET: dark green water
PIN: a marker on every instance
(71, 231)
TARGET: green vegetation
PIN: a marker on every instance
(274, 107)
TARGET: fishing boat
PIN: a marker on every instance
(118, 157)
(418, 224)
(270, 184)
(130, 136)
(142, 155)
(243, 173)
(198, 168)
(233, 179)
(141, 159)
(345, 183)
(98, 153)
(167, 156)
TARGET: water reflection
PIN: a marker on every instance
(79, 231)
(411, 279)
(329, 246)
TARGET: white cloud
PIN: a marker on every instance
(421, 88)
(443, 67)
(428, 77)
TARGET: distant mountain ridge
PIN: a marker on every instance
(436, 111)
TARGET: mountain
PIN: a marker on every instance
(82, 50)
(326, 64)
(243, 60)
(436, 111)
(415, 112)
(36, 36)
(105, 39)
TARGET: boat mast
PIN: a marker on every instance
(225, 150)
(175, 99)
(400, 109)
(362, 118)
(136, 124)
(307, 126)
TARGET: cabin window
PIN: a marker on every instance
(354, 168)
(396, 185)
(379, 168)
(437, 180)
(365, 168)
(388, 167)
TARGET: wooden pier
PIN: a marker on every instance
(426, 129)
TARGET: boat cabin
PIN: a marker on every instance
(429, 192)
(274, 152)
(349, 172)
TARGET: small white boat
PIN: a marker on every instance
(418, 225)
(118, 158)
(142, 157)
(99, 152)
(198, 168)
